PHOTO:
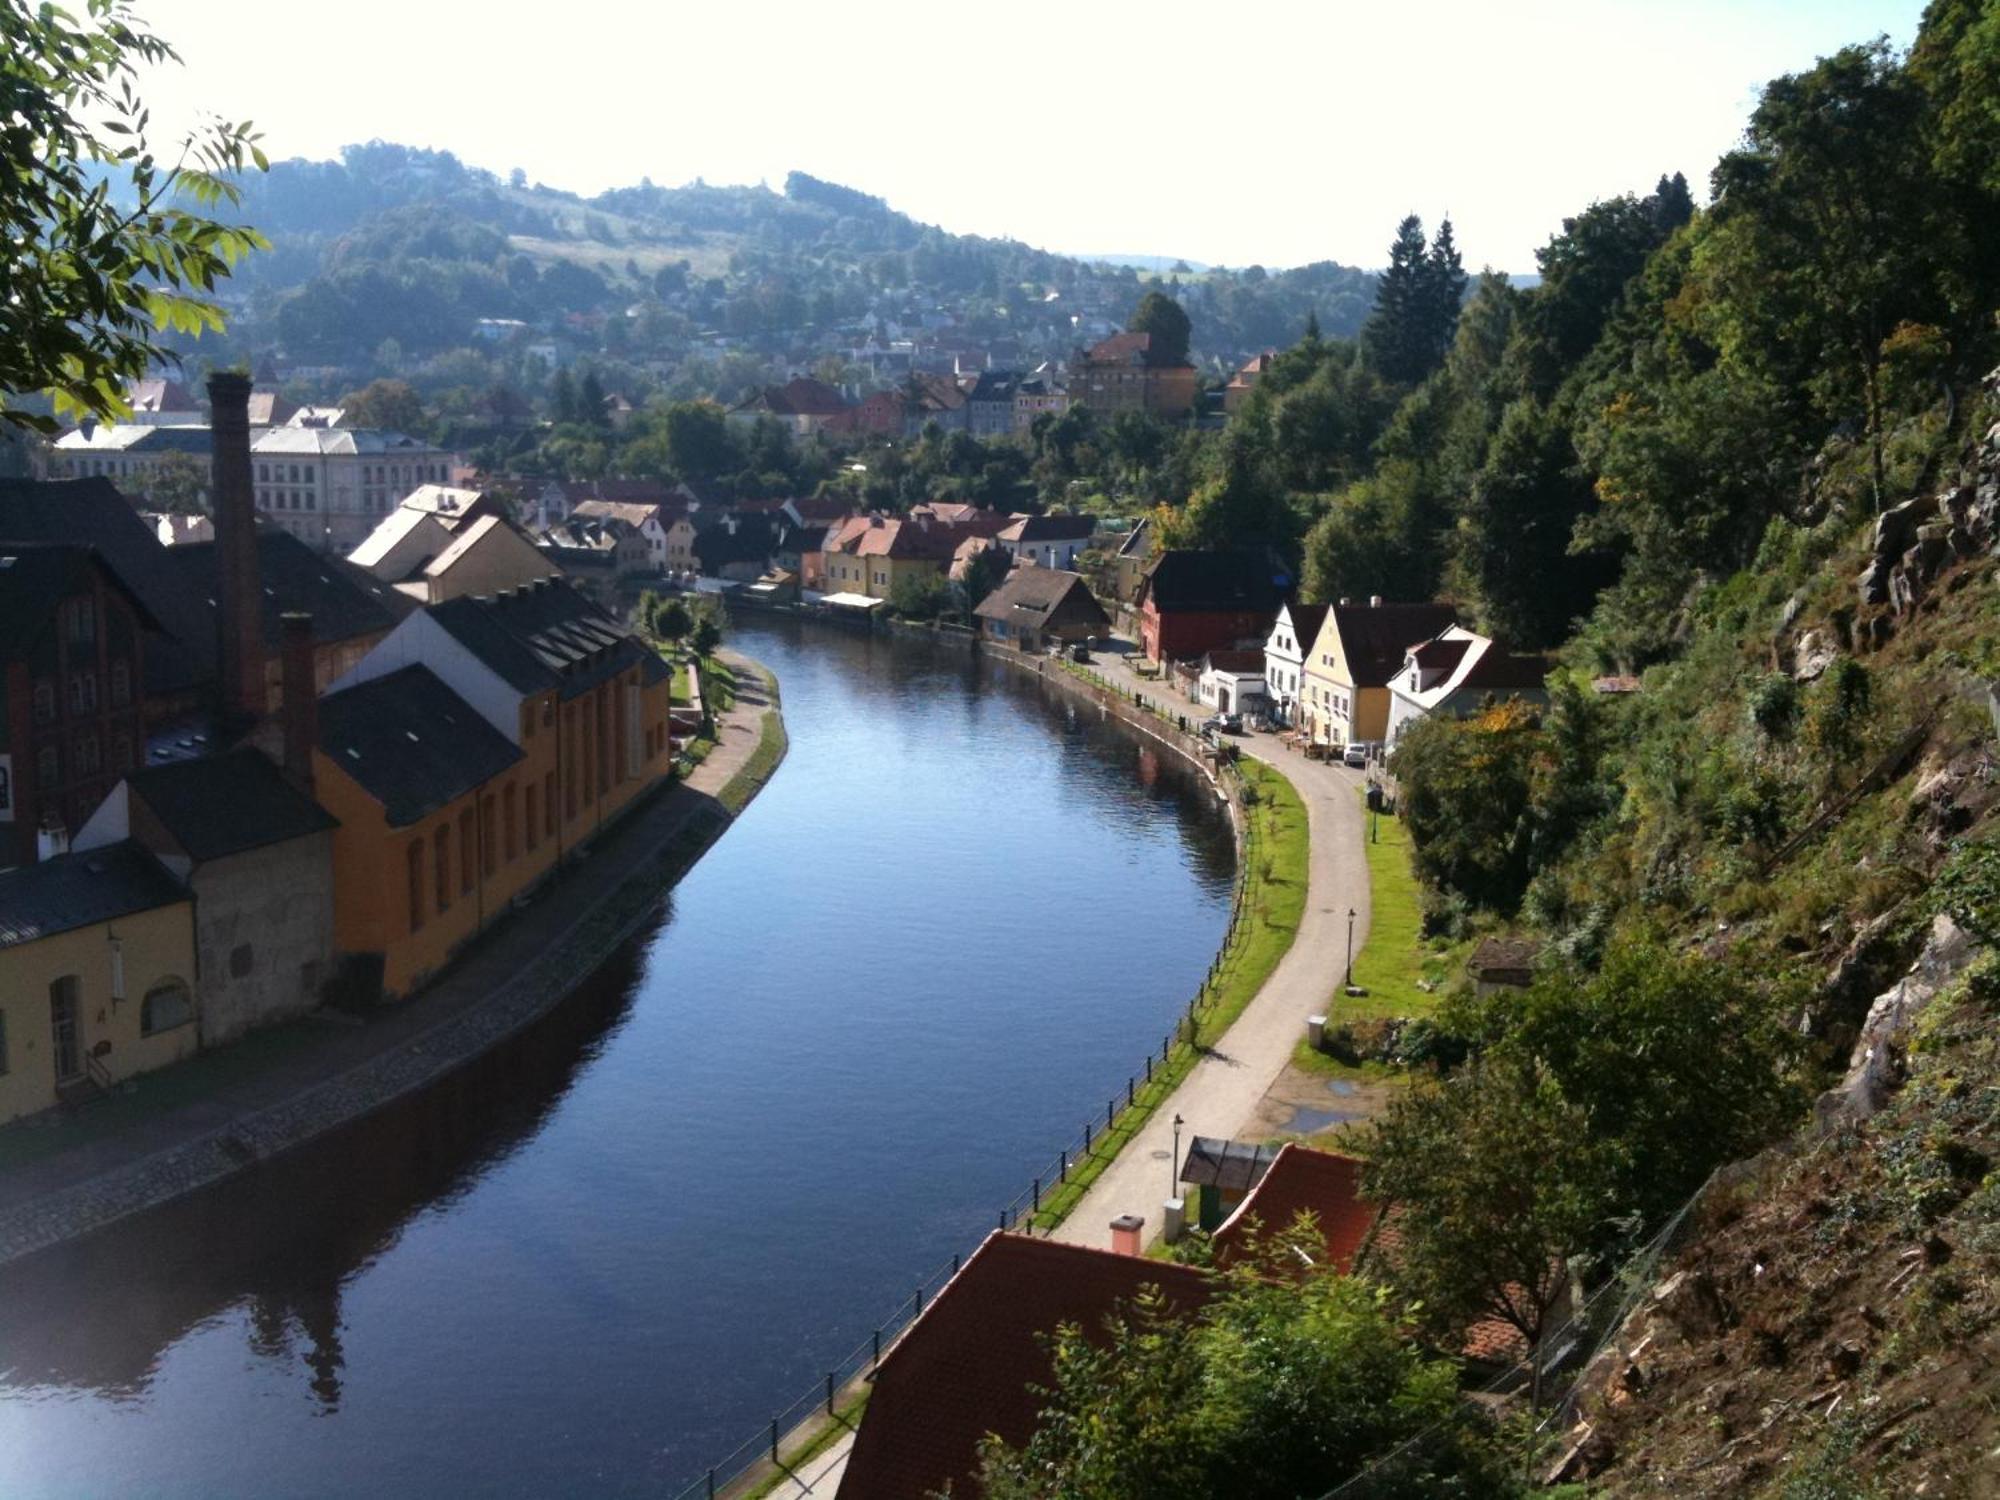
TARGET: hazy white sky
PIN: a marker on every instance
(1229, 131)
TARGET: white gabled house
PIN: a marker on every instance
(1285, 654)
(1455, 672)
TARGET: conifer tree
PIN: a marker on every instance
(1390, 336)
(1444, 293)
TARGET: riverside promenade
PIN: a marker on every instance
(187, 1127)
(1221, 1096)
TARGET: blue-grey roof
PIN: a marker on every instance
(227, 804)
(546, 634)
(411, 743)
(80, 890)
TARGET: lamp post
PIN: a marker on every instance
(1174, 1161)
(1348, 982)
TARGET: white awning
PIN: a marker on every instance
(851, 601)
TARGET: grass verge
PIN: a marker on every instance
(844, 1420)
(1393, 963)
(772, 743)
(1273, 900)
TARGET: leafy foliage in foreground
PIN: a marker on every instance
(92, 277)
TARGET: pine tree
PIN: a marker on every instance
(1444, 293)
(562, 398)
(1391, 335)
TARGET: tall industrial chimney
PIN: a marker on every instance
(238, 593)
(301, 706)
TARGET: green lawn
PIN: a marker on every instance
(1274, 899)
(1394, 957)
(754, 772)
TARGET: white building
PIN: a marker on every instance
(1285, 656)
(331, 486)
(1048, 541)
(128, 454)
(1232, 682)
(1455, 672)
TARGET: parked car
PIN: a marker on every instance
(1224, 723)
(1356, 754)
(1080, 651)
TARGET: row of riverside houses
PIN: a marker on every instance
(1119, 373)
(241, 778)
(1334, 674)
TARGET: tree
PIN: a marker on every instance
(388, 405)
(671, 622)
(1281, 1387)
(98, 255)
(1441, 293)
(707, 636)
(1393, 336)
(921, 596)
(1165, 319)
(590, 400)
(1467, 798)
(1496, 1181)
(562, 398)
(985, 571)
(178, 484)
(1830, 213)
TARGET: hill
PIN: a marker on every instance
(388, 260)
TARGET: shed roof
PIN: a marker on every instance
(1234, 1166)
(80, 890)
(1302, 1180)
(227, 804)
(1038, 597)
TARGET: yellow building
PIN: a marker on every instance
(97, 973)
(1344, 692)
(871, 554)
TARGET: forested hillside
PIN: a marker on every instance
(1736, 470)
(383, 263)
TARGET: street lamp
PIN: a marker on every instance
(1174, 1162)
(1348, 983)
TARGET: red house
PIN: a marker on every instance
(1195, 602)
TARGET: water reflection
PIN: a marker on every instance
(282, 1241)
(601, 1257)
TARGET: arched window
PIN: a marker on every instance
(167, 1005)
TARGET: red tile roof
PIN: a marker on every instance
(1302, 1180)
(966, 1367)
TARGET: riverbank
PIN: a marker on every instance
(1226, 1080)
(171, 1136)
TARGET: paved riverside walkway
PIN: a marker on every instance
(1220, 1097)
(256, 1098)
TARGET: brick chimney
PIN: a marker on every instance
(301, 706)
(1125, 1231)
(238, 593)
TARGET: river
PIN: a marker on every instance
(944, 934)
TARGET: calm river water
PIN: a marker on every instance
(595, 1262)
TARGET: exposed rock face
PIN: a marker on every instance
(1875, 1067)
(1919, 539)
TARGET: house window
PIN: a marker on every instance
(528, 815)
(121, 683)
(549, 804)
(441, 852)
(121, 753)
(48, 766)
(82, 622)
(242, 958)
(45, 702)
(468, 865)
(89, 760)
(489, 842)
(416, 858)
(3, 1044)
(82, 692)
(508, 821)
(167, 1005)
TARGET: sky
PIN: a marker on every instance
(1229, 131)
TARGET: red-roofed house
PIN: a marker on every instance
(967, 1367)
(1244, 380)
(1301, 1180)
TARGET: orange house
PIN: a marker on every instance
(432, 843)
(555, 725)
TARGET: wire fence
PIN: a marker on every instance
(1561, 1357)
(1054, 1192)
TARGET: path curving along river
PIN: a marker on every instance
(598, 1259)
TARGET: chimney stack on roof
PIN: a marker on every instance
(301, 705)
(1125, 1231)
(239, 596)
(1374, 601)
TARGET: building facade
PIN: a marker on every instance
(331, 486)
(1349, 664)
